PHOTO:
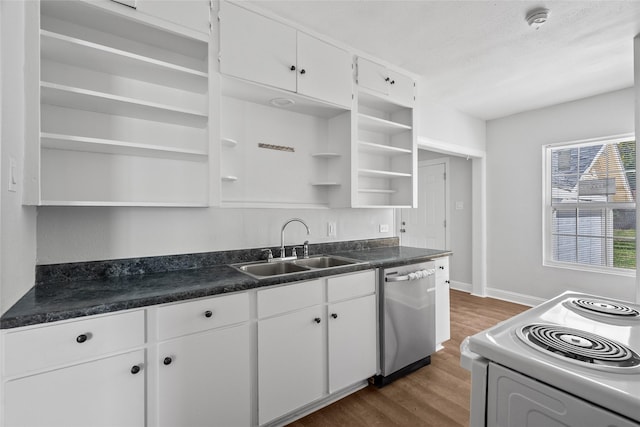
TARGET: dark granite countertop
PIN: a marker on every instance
(394, 256)
(50, 302)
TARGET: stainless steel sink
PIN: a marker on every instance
(265, 269)
(262, 269)
(323, 262)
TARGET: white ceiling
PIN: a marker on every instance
(481, 57)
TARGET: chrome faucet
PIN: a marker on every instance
(283, 254)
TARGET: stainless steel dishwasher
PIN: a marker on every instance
(407, 320)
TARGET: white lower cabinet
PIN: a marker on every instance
(352, 341)
(202, 360)
(311, 346)
(203, 379)
(443, 328)
(103, 393)
(85, 373)
(290, 362)
(238, 360)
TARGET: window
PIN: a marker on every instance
(590, 208)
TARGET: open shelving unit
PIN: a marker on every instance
(385, 153)
(120, 113)
(303, 164)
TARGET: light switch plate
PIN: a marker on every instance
(331, 229)
(384, 228)
(13, 175)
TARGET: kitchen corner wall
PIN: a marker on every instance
(514, 196)
(88, 234)
(17, 223)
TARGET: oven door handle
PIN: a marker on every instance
(420, 274)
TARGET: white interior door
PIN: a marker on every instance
(425, 226)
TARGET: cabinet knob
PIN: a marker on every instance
(303, 71)
(387, 79)
(167, 360)
(334, 315)
(447, 282)
(292, 68)
(317, 320)
(392, 82)
(82, 338)
(402, 230)
(208, 313)
(135, 369)
(441, 267)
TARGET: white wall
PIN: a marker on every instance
(514, 195)
(17, 223)
(87, 234)
(440, 123)
(445, 130)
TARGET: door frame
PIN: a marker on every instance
(447, 198)
(478, 208)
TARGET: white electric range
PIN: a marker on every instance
(571, 361)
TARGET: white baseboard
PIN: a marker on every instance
(514, 297)
(461, 286)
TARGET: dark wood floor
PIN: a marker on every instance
(436, 395)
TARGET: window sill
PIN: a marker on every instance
(590, 269)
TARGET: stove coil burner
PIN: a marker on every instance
(579, 346)
(608, 308)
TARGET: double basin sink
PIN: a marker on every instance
(262, 269)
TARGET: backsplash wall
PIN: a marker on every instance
(75, 234)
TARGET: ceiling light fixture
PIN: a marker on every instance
(536, 18)
(282, 102)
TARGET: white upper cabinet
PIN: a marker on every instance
(399, 87)
(324, 71)
(261, 50)
(255, 48)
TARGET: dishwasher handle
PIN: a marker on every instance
(417, 275)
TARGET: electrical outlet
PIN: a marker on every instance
(384, 228)
(331, 229)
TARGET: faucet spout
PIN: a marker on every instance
(282, 250)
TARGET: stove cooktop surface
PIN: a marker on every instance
(583, 344)
(578, 346)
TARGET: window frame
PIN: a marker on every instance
(547, 209)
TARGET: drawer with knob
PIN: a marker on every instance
(200, 315)
(36, 348)
(351, 285)
(287, 298)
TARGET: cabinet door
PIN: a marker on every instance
(373, 76)
(324, 71)
(256, 48)
(401, 88)
(352, 341)
(203, 379)
(192, 14)
(443, 332)
(105, 392)
(290, 362)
